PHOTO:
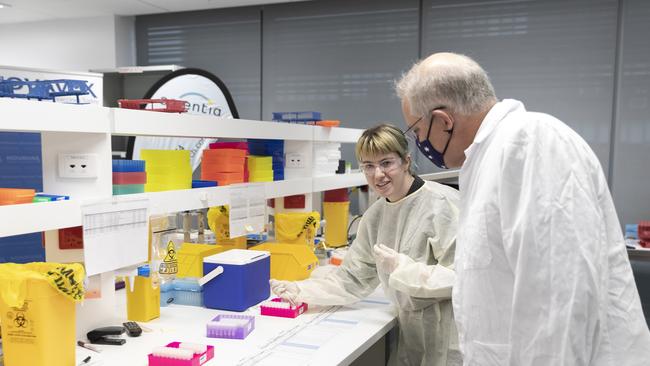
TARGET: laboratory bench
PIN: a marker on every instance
(325, 335)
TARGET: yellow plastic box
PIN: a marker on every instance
(190, 258)
(239, 242)
(143, 303)
(289, 262)
(42, 331)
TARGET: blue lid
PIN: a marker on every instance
(302, 116)
(144, 271)
(125, 166)
(203, 183)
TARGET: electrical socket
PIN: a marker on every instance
(78, 165)
(295, 160)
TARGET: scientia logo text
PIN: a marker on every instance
(198, 103)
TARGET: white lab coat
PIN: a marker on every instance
(543, 276)
(422, 228)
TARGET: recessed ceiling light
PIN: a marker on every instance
(4, 6)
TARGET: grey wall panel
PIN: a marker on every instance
(556, 56)
(631, 180)
(225, 42)
(339, 58)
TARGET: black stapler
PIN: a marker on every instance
(107, 335)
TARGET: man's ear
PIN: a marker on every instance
(447, 118)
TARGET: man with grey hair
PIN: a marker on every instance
(543, 276)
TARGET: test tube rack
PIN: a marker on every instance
(277, 307)
(175, 354)
(231, 326)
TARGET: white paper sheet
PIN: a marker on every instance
(247, 209)
(115, 234)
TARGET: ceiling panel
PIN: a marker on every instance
(40, 10)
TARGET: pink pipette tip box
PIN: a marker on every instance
(277, 307)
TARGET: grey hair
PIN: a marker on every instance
(451, 80)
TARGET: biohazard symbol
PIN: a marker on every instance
(171, 252)
(170, 263)
(20, 320)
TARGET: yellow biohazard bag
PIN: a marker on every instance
(37, 308)
(219, 223)
(297, 227)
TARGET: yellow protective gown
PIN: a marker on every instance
(422, 228)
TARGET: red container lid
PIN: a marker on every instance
(243, 145)
(336, 195)
(297, 201)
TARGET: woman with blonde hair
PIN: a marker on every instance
(406, 242)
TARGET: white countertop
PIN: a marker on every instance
(322, 336)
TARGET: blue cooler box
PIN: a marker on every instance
(243, 283)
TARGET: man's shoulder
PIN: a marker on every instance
(526, 128)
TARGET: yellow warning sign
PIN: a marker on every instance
(170, 263)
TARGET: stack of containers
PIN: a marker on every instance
(129, 176)
(306, 117)
(336, 208)
(326, 157)
(260, 168)
(167, 170)
(225, 163)
(272, 148)
(14, 196)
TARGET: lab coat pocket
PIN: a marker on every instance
(488, 354)
(476, 252)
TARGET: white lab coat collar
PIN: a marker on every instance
(491, 120)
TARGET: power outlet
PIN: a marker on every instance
(295, 160)
(78, 165)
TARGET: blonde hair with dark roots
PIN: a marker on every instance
(382, 139)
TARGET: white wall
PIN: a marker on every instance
(125, 41)
(68, 44)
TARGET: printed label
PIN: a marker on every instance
(170, 263)
(20, 325)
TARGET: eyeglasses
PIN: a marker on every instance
(413, 134)
(385, 165)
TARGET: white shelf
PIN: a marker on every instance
(328, 182)
(336, 134)
(289, 187)
(33, 116)
(441, 175)
(181, 200)
(36, 217)
(143, 123)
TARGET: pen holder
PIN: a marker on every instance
(143, 303)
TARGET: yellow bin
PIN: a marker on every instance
(290, 262)
(190, 258)
(41, 331)
(336, 229)
(143, 303)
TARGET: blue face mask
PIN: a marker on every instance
(425, 147)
